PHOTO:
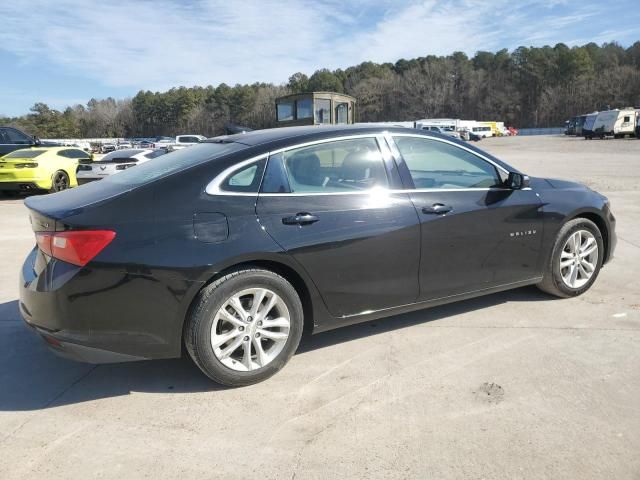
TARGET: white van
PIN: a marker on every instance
(483, 131)
(616, 123)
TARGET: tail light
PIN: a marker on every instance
(78, 247)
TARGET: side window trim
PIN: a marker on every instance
(406, 175)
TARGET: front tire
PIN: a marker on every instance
(575, 261)
(244, 327)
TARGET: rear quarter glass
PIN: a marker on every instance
(174, 162)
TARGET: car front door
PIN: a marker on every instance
(476, 232)
(329, 205)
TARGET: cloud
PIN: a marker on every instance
(158, 44)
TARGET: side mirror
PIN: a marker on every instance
(36, 141)
(517, 181)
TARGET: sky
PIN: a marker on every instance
(65, 52)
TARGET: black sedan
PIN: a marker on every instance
(232, 248)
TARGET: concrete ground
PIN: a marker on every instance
(512, 385)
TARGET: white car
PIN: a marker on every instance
(444, 131)
(183, 141)
(115, 162)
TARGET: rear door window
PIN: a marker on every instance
(340, 166)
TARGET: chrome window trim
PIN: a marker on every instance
(213, 187)
(387, 147)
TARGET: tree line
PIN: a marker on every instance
(527, 87)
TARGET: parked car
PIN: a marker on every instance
(179, 142)
(444, 131)
(107, 148)
(469, 136)
(236, 245)
(13, 139)
(124, 145)
(33, 169)
(115, 162)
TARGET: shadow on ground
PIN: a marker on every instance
(33, 378)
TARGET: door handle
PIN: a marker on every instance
(437, 209)
(302, 218)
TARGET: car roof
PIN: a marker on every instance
(260, 137)
(286, 136)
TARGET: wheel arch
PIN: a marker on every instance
(601, 223)
(305, 291)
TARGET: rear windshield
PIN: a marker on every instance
(24, 153)
(174, 162)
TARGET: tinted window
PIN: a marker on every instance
(26, 153)
(174, 162)
(188, 140)
(16, 137)
(285, 111)
(156, 153)
(323, 111)
(436, 164)
(341, 166)
(304, 108)
(245, 179)
(71, 153)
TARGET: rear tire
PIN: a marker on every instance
(59, 182)
(575, 261)
(244, 327)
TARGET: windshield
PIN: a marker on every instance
(174, 162)
(24, 153)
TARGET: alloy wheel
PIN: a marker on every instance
(579, 258)
(250, 329)
(60, 181)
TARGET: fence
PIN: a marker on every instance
(541, 131)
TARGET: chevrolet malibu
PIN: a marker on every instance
(230, 249)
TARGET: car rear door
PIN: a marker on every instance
(329, 205)
(476, 232)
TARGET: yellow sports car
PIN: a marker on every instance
(40, 168)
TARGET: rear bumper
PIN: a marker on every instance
(83, 180)
(101, 314)
(78, 352)
(20, 186)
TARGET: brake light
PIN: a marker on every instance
(78, 247)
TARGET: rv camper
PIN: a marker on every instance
(579, 124)
(587, 126)
(615, 123)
